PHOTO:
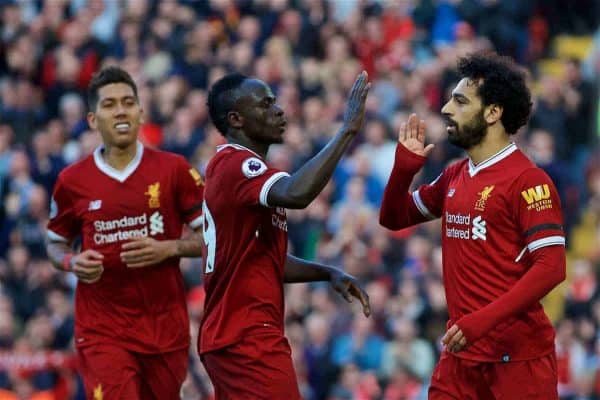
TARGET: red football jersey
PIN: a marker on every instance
(142, 309)
(246, 247)
(493, 216)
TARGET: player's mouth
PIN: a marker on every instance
(122, 127)
(282, 126)
(451, 126)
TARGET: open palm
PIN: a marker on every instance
(412, 136)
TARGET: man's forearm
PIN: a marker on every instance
(190, 246)
(57, 251)
(305, 184)
(548, 270)
(298, 270)
(398, 209)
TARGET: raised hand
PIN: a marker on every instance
(87, 266)
(412, 136)
(355, 108)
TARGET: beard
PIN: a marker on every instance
(471, 134)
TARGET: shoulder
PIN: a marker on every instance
(164, 158)
(77, 171)
(240, 159)
(525, 170)
(456, 167)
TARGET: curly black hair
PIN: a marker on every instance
(221, 99)
(503, 84)
(106, 76)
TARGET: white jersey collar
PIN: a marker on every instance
(499, 156)
(122, 175)
(237, 147)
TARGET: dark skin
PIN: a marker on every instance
(256, 122)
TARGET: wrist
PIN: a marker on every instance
(67, 262)
(173, 248)
(333, 272)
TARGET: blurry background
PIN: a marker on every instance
(309, 51)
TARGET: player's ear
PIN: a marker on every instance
(235, 120)
(91, 119)
(492, 113)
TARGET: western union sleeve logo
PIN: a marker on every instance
(537, 197)
(537, 193)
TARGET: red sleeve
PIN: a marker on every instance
(547, 271)
(399, 208)
(251, 178)
(537, 207)
(63, 224)
(538, 211)
(190, 193)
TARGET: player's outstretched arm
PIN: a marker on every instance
(398, 209)
(298, 270)
(299, 189)
(548, 270)
(87, 265)
(146, 251)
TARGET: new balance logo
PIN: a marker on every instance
(451, 192)
(156, 224)
(95, 205)
(479, 230)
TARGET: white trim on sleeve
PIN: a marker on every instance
(196, 222)
(543, 242)
(55, 237)
(264, 191)
(421, 206)
(547, 241)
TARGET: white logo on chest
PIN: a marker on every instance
(462, 226)
(156, 224)
(479, 229)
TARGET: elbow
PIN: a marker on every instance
(561, 275)
(383, 221)
(298, 200)
(386, 220)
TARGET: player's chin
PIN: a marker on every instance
(123, 140)
(278, 139)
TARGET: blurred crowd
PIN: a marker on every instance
(309, 51)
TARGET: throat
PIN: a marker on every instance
(118, 158)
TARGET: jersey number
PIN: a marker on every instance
(210, 238)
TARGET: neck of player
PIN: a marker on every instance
(494, 141)
(259, 148)
(117, 157)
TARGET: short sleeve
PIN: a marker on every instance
(429, 198)
(251, 178)
(538, 210)
(190, 193)
(63, 225)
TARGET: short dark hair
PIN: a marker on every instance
(221, 99)
(503, 84)
(106, 76)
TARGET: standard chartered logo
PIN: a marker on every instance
(478, 230)
(156, 224)
(462, 226)
(126, 228)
